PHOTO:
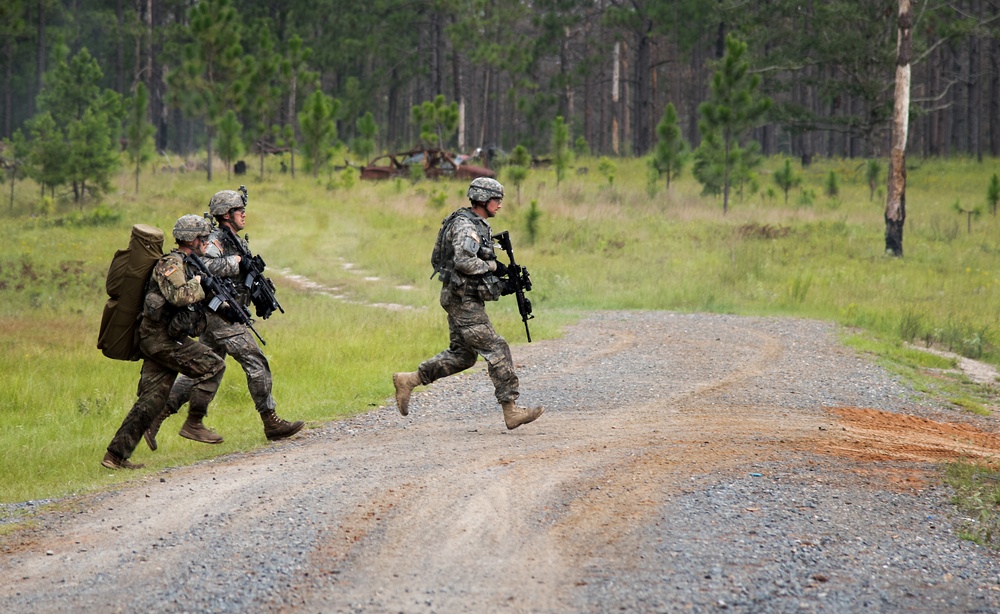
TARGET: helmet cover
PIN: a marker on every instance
(189, 227)
(483, 189)
(225, 201)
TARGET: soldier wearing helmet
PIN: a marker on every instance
(228, 207)
(470, 273)
(173, 313)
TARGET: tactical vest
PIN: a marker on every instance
(483, 287)
(179, 322)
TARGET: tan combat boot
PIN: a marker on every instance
(154, 428)
(276, 428)
(194, 430)
(405, 383)
(515, 416)
(113, 461)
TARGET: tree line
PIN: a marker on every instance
(218, 75)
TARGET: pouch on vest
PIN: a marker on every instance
(128, 274)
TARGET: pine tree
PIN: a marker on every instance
(319, 132)
(734, 107)
(561, 152)
(211, 76)
(669, 155)
(138, 131)
(437, 121)
(228, 141)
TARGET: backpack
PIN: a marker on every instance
(128, 275)
(443, 255)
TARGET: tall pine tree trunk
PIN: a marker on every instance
(994, 91)
(895, 206)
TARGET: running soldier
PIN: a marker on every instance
(222, 260)
(470, 274)
(173, 312)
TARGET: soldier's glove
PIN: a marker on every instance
(244, 266)
(501, 269)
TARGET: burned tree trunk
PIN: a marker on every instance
(895, 206)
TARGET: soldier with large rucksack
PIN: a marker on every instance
(173, 312)
(228, 258)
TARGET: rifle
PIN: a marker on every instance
(518, 280)
(222, 296)
(261, 289)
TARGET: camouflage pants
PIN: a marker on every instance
(163, 358)
(472, 335)
(237, 341)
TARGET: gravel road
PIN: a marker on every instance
(684, 463)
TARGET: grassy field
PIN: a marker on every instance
(352, 266)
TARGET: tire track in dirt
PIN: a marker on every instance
(599, 477)
(445, 510)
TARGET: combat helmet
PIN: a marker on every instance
(189, 227)
(225, 201)
(483, 189)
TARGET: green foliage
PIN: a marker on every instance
(48, 156)
(734, 107)
(228, 141)
(873, 174)
(436, 120)
(364, 144)
(74, 139)
(977, 494)
(318, 128)
(516, 170)
(787, 178)
(520, 157)
(93, 156)
(580, 147)
(531, 221)
(349, 177)
(562, 155)
(993, 193)
(516, 175)
(974, 212)
(608, 169)
(209, 76)
(138, 131)
(669, 156)
(264, 95)
(831, 187)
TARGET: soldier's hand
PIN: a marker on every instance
(501, 269)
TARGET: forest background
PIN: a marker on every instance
(608, 67)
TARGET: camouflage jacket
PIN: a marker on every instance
(221, 259)
(470, 271)
(174, 298)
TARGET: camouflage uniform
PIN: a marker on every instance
(172, 314)
(467, 285)
(233, 339)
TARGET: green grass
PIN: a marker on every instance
(977, 494)
(364, 307)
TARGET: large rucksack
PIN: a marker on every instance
(126, 284)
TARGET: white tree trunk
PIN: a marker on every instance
(895, 205)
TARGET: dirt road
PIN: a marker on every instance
(684, 463)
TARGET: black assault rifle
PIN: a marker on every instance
(261, 288)
(518, 281)
(222, 296)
